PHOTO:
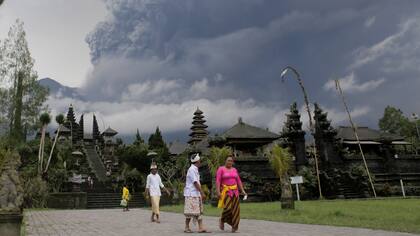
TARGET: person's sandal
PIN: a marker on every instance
(188, 231)
(203, 231)
(234, 230)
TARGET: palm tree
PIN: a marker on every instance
(280, 160)
(216, 159)
(45, 119)
(60, 121)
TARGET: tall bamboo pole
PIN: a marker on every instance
(311, 123)
(338, 87)
(52, 148)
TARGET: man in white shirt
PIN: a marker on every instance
(194, 196)
(153, 185)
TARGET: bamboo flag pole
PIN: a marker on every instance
(311, 123)
(338, 87)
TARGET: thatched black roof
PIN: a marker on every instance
(177, 147)
(242, 130)
(365, 134)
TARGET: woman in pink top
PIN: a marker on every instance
(228, 183)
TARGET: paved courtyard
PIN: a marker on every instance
(136, 222)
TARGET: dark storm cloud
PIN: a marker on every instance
(178, 51)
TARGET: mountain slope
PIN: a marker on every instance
(60, 90)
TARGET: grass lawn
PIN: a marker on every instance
(401, 215)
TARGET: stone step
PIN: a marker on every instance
(112, 200)
(96, 163)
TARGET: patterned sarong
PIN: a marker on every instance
(193, 208)
(155, 204)
(231, 211)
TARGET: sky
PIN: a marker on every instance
(56, 32)
(147, 63)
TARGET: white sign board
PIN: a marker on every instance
(296, 180)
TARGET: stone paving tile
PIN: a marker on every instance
(114, 222)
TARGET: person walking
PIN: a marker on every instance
(228, 182)
(194, 196)
(153, 185)
(125, 198)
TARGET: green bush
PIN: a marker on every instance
(35, 193)
(309, 188)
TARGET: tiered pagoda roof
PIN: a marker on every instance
(72, 125)
(109, 132)
(198, 128)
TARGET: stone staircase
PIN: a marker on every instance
(113, 200)
(95, 163)
(349, 193)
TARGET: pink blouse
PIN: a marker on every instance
(228, 177)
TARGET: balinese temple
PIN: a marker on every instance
(371, 141)
(247, 140)
(390, 159)
(248, 144)
(198, 128)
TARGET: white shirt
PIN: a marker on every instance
(192, 176)
(154, 183)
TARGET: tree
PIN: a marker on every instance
(22, 97)
(138, 140)
(136, 157)
(157, 144)
(60, 121)
(395, 122)
(156, 140)
(281, 161)
(217, 158)
(44, 119)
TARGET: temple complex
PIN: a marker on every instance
(97, 148)
(390, 158)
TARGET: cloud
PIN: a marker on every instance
(350, 84)
(164, 40)
(125, 117)
(370, 21)
(399, 51)
(155, 61)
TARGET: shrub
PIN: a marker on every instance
(35, 193)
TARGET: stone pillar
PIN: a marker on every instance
(10, 223)
(11, 194)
